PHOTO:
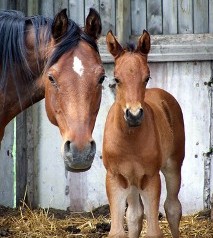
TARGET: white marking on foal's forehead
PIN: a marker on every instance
(78, 66)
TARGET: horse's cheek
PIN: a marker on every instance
(50, 104)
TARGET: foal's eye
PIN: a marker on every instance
(147, 79)
(52, 79)
(117, 80)
(101, 80)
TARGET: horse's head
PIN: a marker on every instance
(131, 76)
(73, 87)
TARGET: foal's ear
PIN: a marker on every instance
(144, 43)
(93, 25)
(113, 46)
(60, 24)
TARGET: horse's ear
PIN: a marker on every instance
(113, 46)
(93, 25)
(144, 43)
(60, 24)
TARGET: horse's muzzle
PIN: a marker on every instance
(135, 119)
(78, 160)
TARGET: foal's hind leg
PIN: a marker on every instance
(172, 205)
(134, 213)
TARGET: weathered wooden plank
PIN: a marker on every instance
(21, 5)
(210, 16)
(185, 17)
(107, 13)
(182, 47)
(3, 4)
(154, 17)
(7, 167)
(32, 7)
(123, 24)
(76, 11)
(47, 8)
(60, 4)
(138, 16)
(21, 159)
(201, 16)
(170, 17)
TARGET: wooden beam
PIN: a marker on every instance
(183, 47)
(123, 26)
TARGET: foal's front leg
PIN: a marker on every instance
(117, 200)
(151, 196)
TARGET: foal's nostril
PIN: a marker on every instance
(140, 113)
(134, 116)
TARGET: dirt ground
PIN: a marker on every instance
(50, 223)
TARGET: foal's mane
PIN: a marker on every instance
(13, 52)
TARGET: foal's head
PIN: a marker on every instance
(73, 88)
(131, 76)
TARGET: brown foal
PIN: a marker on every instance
(144, 133)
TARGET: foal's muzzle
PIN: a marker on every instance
(78, 160)
(134, 119)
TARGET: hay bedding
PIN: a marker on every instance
(40, 223)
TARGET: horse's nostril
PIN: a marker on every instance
(67, 146)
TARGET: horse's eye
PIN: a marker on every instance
(117, 80)
(147, 80)
(52, 79)
(101, 80)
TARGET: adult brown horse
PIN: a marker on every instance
(144, 133)
(55, 59)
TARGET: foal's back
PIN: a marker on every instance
(168, 119)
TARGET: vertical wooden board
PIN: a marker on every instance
(21, 5)
(154, 17)
(123, 20)
(107, 13)
(32, 7)
(210, 16)
(47, 8)
(76, 11)
(7, 167)
(21, 159)
(170, 17)
(60, 4)
(138, 16)
(185, 81)
(3, 4)
(201, 16)
(50, 176)
(185, 16)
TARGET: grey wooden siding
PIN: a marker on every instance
(157, 16)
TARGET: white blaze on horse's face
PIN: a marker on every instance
(78, 66)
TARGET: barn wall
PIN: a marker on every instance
(180, 64)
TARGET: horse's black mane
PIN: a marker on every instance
(13, 55)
